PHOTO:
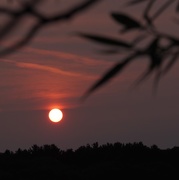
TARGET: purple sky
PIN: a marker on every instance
(57, 67)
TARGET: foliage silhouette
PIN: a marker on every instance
(157, 53)
(128, 22)
(106, 40)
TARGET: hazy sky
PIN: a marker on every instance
(57, 67)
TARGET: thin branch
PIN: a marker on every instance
(22, 42)
(147, 11)
(162, 9)
(28, 8)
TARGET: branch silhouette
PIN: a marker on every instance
(156, 53)
(29, 8)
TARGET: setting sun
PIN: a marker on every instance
(55, 115)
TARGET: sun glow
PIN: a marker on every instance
(55, 115)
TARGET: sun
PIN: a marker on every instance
(55, 115)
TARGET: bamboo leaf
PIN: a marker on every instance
(156, 59)
(127, 21)
(106, 40)
(116, 69)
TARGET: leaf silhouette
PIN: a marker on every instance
(128, 22)
(110, 74)
(106, 40)
(155, 51)
(156, 58)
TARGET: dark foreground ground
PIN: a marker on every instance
(109, 161)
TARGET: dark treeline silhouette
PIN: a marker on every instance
(107, 161)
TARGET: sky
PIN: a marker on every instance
(57, 67)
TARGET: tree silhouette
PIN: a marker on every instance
(131, 160)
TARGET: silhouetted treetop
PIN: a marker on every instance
(117, 160)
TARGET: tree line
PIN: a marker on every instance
(90, 162)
